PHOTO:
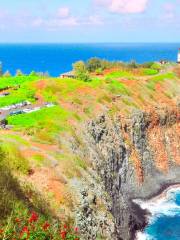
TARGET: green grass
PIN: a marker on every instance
(116, 87)
(13, 158)
(15, 81)
(39, 160)
(158, 79)
(119, 74)
(149, 71)
(14, 138)
(25, 92)
(45, 123)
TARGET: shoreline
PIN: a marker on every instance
(143, 213)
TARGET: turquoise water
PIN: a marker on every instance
(165, 222)
(58, 58)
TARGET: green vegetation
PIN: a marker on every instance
(9, 82)
(116, 87)
(39, 145)
(53, 119)
(13, 158)
(149, 71)
(119, 74)
(24, 93)
(156, 66)
(94, 64)
(34, 227)
(7, 74)
(81, 71)
(158, 79)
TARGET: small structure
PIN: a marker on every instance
(178, 58)
(68, 75)
(163, 62)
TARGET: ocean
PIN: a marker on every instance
(58, 58)
(164, 222)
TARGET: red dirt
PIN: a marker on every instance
(45, 180)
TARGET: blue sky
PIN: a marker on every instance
(90, 21)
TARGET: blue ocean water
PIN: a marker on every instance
(165, 223)
(58, 58)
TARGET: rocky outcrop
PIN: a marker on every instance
(134, 158)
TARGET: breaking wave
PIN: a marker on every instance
(164, 217)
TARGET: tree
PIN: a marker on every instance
(93, 64)
(19, 73)
(33, 74)
(133, 64)
(99, 71)
(1, 69)
(7, 74)
(156, 66)
(147, 64)
(80, 71)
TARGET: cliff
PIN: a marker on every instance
(103, 144)
(134, 159)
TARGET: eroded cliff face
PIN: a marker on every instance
(134, 158)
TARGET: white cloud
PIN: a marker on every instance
(124, 6)
(55, 23)
(63, 12)
(95, 20)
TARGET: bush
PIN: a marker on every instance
(19, 72)
(132, 64)
(80, 71)
(150, 71)
(7, 74)
(33, 73)
(34, 227)
(147, 64)
(93, 64)
(156, 66)
(99, 71)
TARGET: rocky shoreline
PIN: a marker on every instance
(153, 198)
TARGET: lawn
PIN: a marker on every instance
(24, 93)
(149, 71)
(7, 82)
(119, 74)
(45, 123)
(116, 87)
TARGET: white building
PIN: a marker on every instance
(178, 60)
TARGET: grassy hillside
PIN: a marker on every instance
(35, 151)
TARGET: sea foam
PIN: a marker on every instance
(164, 205)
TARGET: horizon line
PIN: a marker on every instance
(153, 42)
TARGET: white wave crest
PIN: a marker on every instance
(143, 236)
(164, 204)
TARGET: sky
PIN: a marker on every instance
(65, 21)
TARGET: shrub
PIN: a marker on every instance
(19, 72)
(33, 73)
(80, 71)
(99, 71)
(132, 64)
(149, 71)
(147, 64)
(156, 66)
(93, 64)
(34, 227)
(7, 74)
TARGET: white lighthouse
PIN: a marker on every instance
(178, 59)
